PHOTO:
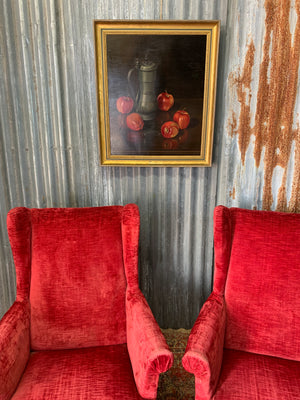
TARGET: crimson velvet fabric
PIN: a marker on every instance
(78, 374)
(245, 343)
(75, 331)
(254, 376)
(14, 347)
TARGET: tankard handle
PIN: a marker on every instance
(130, 85)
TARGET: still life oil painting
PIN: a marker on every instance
(156, 84)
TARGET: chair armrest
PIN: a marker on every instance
(147, 347)
(204, 351)
(14, 347)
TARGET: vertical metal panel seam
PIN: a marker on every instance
(63, 76)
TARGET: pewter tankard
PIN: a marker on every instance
(145, 97)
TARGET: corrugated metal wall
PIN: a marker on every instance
(260, 152)
(49, 137)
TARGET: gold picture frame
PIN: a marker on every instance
(156, 89)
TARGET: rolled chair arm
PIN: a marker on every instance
(147, 347)
(204, 351)
(14, 347)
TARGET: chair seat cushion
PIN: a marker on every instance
(253, 376)
(92, 373)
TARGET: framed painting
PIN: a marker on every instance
(156, 88)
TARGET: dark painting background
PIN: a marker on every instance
(181, 71)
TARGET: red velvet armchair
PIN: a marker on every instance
(80, 327)
(245, 343)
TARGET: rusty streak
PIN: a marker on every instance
(275, 103)
(232, 193)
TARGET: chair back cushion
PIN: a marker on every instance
(78, 284)
(262, 289)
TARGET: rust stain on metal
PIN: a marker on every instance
(242, 81)
(232, 125)
(294, 203)
(275, 103)
(232, 193)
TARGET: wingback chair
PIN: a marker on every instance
(80, 328)
(245, 344)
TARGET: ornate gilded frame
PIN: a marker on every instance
(184, 55)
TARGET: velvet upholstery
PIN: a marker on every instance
(14, 347)
(250, 376)
(148, 353)
(246, 340)
(80, 320)
(204, 352)
(74, 247)
(19, 232)
(78, 374)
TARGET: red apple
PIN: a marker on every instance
(135, 122)
(182, 118)
(124, 104)
(165, 101)
(170, 129)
